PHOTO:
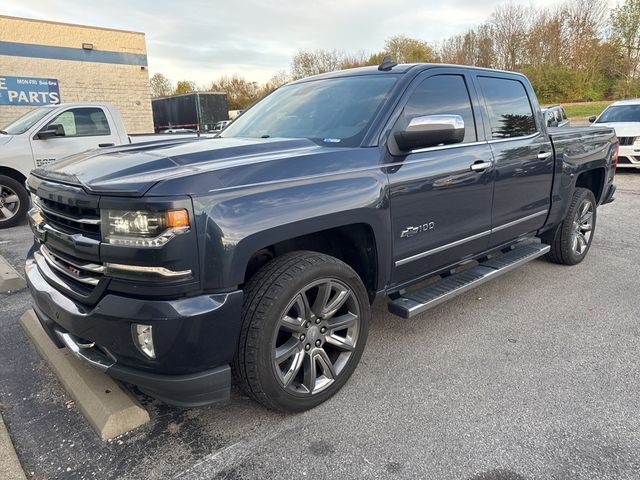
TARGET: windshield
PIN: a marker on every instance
(332, 112)
(26, 121)
(620, 113)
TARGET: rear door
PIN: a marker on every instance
(84, 128)
(440, 207)
(523, 157)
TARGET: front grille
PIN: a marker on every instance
(69, 218)
(623, 160)
(625, 141)
(81, 272)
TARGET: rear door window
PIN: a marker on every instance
(508, 108)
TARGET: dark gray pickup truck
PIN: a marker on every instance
(258, 253)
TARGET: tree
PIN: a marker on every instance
(160, 85)
(241, 93)
(405, 50)
(625, 32)
(306, 63)
(276, 81)
(475, 47)
(509, 30)
(185, 86)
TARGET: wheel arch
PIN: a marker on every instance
(13, 173)
(353, 243)
(592, 180)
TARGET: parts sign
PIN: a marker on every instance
(28, 91)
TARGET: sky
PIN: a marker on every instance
(202, 40)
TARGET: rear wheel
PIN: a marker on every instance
(305, 323)
(573, 238)
(14, 202)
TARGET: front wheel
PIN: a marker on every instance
(573, 238)
(305, 321)
(14, 202)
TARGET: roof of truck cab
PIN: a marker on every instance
(82, 104)
(398, 69)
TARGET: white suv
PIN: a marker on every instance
(624, 118)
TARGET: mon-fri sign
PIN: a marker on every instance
(28, 91)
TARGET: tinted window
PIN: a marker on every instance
(83, 122)
(620, 113)
(508, 107)
(333, 112)
(441, 95)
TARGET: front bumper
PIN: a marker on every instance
(628, 156)
(195, 338)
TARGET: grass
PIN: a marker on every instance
(584, 109)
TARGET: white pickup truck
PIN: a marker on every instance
(49, 133)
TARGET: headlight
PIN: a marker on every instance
(143, 229)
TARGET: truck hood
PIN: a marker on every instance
(623, 129)
(4, 139)
(132, 170)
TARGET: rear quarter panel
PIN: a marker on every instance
(578, 150)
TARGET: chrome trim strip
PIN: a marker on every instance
(90, 267)
(441, 248)
(418, 256)
(441, 147)
(87, 221)
(512, 139)
(162, 271)
(50, 259)
(520, 220)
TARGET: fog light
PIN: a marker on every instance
(143, 336)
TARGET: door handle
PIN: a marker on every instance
(480, 166)
(106, 144)
(544, 155)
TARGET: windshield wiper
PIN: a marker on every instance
(4, 133)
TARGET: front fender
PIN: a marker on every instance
(237, 223)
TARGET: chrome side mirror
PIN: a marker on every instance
(429, 131)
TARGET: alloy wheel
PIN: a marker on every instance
(9, 203)
(582, 228)
(315, 336)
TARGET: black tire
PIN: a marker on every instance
(12, 213)
(563, 246)
(269, 297)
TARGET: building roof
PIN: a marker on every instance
(93, 27)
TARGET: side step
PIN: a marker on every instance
(414, 303)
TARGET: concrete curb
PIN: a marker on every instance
(10, 467)
(10, 280)
(110, 410)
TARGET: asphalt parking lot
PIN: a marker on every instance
(532, 376)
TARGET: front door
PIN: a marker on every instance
(84, 128)
(440, 207)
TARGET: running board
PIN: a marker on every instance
(414, 303)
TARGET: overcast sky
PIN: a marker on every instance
(202, 40)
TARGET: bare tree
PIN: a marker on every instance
(509, 25)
